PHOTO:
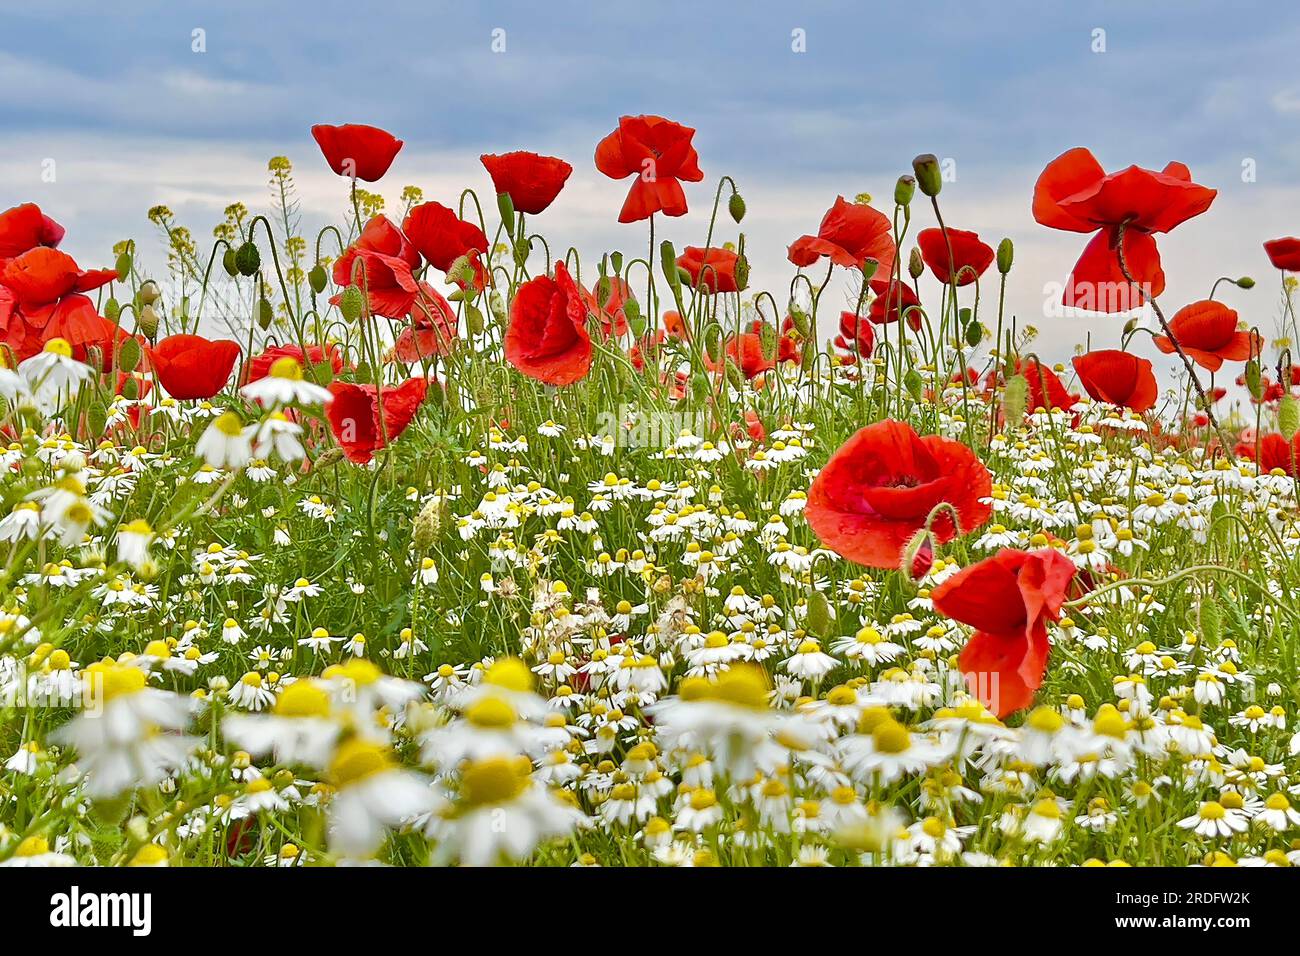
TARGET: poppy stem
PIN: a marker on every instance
(1164, 324)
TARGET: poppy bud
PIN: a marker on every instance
(1006, 252)
(497, 306)
(928, 176)
(351, 302)
(904, 190)
(1254, 383)
(1014, 398)
(147, 322)
(265, 314)
(635, 320)
(248, 260)
(800, 319)
(668, 264)
(767, 340)
(741, 272)
(425, 529)
(918, 556)
(130, 389)
(1245, 282)
(974, 333)
(474, 322)
(506, 206)
(915, 264)
(128, 355)
(123, 265)
(1288, 416)
(818, 619)
(914, 383)
(700, 386)
(736, 206)
(228, 262)
(1209, 621)
(148, 293)
(521, 250)
(112, 310)
(316, 278)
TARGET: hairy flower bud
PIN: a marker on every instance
(736, 206)
(248, 260)
(904, 190)
(1006, 252)
(928, 175)
(915, 264)
(1288, 416)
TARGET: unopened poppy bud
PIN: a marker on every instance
(247, 259)
(768, 342)
(228, 263)
(1245, 282)
(497, 306)
(148, 294)
(818, 620)
(736, 206)
(328, 457)
(914, 384)
(521, 250)
(147, 322)
(351, 302)
(904, 190)
(1014, 398)
(316, 278)
(668, 263)
(474, 322)
(1006, 252)
(741, 272)
(1209, 621)
(915, 264)
(425, 529)
(123, 265)
(800, 319)
(928, 176)
(265, 314)
(112, 309)
(918, 556)
(1254, 383)
(506, 206)
(129, 354)
(1288, 416)
(130, 389)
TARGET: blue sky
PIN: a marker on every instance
(133, 116)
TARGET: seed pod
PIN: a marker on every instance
(1288, 416)
(248, 260)
(736, 206)
(1006, 253)
(316, 278)
(904, 190)
(915, 264)
(147, 322)
(129, 354)
(352, 303)
(148, 293)
(1014, 398)
(928, 175)
(265, 313)
(818, 619)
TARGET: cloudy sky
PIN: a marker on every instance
(128, 114)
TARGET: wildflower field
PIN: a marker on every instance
(428, 539)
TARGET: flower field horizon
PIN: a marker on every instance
(429, 539)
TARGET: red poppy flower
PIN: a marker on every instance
(432, 330)
(442, 237)
(850, 234)
(1074, 193)
(745, 351)
(892, 300)
(354, 415)
(878, 489)
(675, 325)
(386, 262)
(659, 153)
(712, 269)
(1045, 387)
(190, 366)
(646, 347)
(531, 181)
(1118, 378)
(613, 320)
(25, 227)
(1207, 333)
(1274, 452)
(1283, 253)
(357, 151)
(260, 365)
(856, 334)
(970, 257)
(547, 338)
(1008, 599)
(40, 277)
